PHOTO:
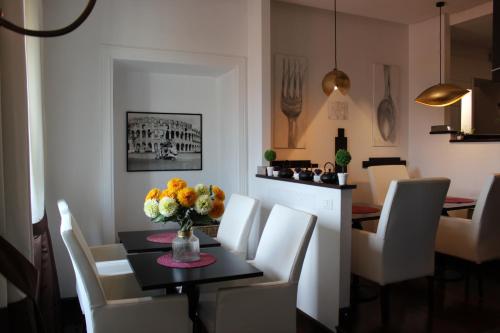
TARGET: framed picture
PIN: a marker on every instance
(385, 118)
(164, 141)
(289, 112)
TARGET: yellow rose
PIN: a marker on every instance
(176, 184)
(187, 196)
(153, 194)
(218, 193)
(217, 209)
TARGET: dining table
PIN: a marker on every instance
(137, 241)
(150, 274)
(374, 214)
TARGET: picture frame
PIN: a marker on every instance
(158, 141)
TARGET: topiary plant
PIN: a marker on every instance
(270, 155)
(342, 158)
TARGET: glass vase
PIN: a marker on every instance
(186, 247)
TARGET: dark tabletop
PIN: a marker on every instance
(136, 242)
(151, 275)
(357, 218)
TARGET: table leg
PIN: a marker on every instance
(193, 294)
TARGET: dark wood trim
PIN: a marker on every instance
(374, 161)
(294, 164)
(443, 132)
(338, 187)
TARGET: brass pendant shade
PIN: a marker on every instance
(442, 94)
(336, 79)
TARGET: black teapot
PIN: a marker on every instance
(285, 173)
(306, 175)
(328, 176)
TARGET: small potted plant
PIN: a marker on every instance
(270, 156)
(342, 158)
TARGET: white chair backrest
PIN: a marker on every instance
(235, 225)
(380, 177)
(486, 217)
(284, 243)
(88, 283)
(408, 226)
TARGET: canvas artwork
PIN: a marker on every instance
(385, 118)
(289, 116)
(164, 141)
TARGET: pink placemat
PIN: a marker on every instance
(458, 200)
(364, 209)
(205, 260)
(164, 237)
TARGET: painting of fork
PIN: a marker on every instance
(289, 111)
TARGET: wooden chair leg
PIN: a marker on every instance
(430, 294)
(385, 303)
(479, 274)
(467, 280)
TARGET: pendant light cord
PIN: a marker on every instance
(335, 26)
(440, 47)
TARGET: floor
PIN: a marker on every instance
(453, 311)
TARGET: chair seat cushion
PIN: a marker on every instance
(113, 267)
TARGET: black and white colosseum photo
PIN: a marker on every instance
(163, 141)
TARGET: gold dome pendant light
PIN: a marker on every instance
(441, 94)
(336, 79)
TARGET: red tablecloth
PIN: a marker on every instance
(164, 237)
(205, 260)
(458, 200)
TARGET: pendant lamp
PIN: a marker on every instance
(336, 79)
(49, 33)
(441, 94)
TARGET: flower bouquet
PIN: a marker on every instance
(201, 205)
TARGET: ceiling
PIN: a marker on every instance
(401, 11)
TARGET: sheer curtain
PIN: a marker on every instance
(32, 14)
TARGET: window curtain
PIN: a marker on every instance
(49, 296)
(32, 18)
(15, 213)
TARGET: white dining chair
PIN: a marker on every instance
(475, 240)
(270, 305)
(116, 303)
(111, 259)
(236, 222)
(381, 176)
(403, 246)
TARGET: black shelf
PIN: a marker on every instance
(291, 180)
(478, 138)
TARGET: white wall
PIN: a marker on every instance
(160, 93)
(361, 42)
(466, 164)
(73, 90)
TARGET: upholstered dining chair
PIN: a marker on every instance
(475, 240)
(110, 259)
(380, 177)
(403, 246)
(116, 303)
(270, 304)
(236, 222)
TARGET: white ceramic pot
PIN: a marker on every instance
(317, 178)
(342, 178)
(275, 173)
(296, 175)
(270, 170)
